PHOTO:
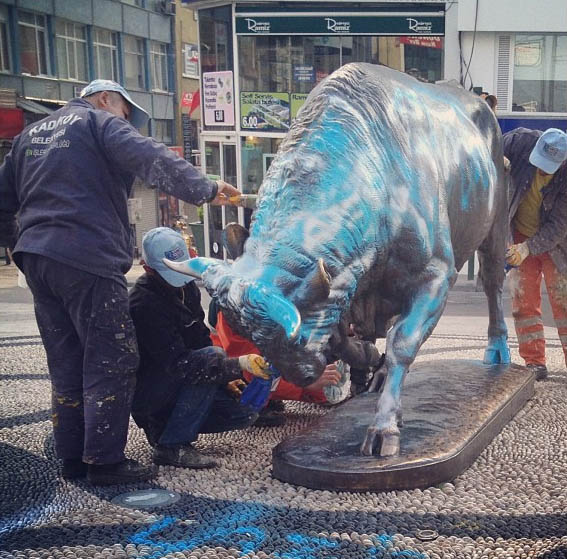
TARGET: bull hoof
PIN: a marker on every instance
(390, 445)
(497, 352)
(389, 442)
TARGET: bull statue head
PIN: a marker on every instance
(261, 312)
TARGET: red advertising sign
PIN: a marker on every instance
(11, 122)
(186, 99)
(431, 42)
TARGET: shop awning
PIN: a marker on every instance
(33, 106)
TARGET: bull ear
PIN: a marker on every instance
(279, 309)
(193, 267)
(233, 238)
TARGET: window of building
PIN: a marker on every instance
(162, 130)
(139, 3)
(134, 62)
(71, 42)
(105, 50)
(33, 44)
(539, 81)
(277, 72)
(215, 33)
(159, 66)
(5, 65)
(295, 64)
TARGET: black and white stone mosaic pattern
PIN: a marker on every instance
(510, 503)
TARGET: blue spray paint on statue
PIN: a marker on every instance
(381, 191)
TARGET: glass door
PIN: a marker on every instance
(220, 163)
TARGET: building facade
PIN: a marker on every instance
(259, 60)
(518, 51)
(187, 68)
(50, 49)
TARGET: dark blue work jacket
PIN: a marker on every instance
(68, 178)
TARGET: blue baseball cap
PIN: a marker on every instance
(550, 151)
(138, 116)
(163, 242)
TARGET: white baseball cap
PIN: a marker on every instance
(550, 151)
(163, 242)
(138, 116)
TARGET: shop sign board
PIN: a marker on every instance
(303, 73)
(430, 42)
(186, 99)
(190, 60)
(187, 127)
(264, 111)
(297, 101)
(341, 24)
(218, 98)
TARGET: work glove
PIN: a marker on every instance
(257, 393)
(255, 365)
(516, 254)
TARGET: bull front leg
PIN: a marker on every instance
(403, 342)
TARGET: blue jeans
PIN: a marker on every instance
(204, 408)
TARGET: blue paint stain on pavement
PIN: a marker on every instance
(243, 527)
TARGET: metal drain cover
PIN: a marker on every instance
(146, 498)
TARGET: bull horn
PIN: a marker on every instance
(315, 288)
(279, 309)
(320, 281)
(195, 267)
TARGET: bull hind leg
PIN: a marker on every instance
(492, 274)
(403, 342)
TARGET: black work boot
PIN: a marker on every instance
(73, 468)
(540, 371)
(184, 456)
(127, 471)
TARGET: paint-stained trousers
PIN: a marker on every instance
(526, 304)
(92, 356)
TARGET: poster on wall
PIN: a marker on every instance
(218, 98)
(303, 73)
(264, 111)
(297, 101)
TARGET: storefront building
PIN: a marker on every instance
(259, 61)
(518, 51)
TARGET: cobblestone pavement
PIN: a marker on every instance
(509, 503)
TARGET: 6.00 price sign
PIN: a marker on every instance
(249, 122)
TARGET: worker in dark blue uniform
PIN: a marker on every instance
(68, 178)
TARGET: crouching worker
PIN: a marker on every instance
(182, 380)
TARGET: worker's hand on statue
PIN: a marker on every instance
(330, 376)
(255, 365)
(516, 254)
(224, 193)
(236, 387)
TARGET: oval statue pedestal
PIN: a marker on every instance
(452, 410)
